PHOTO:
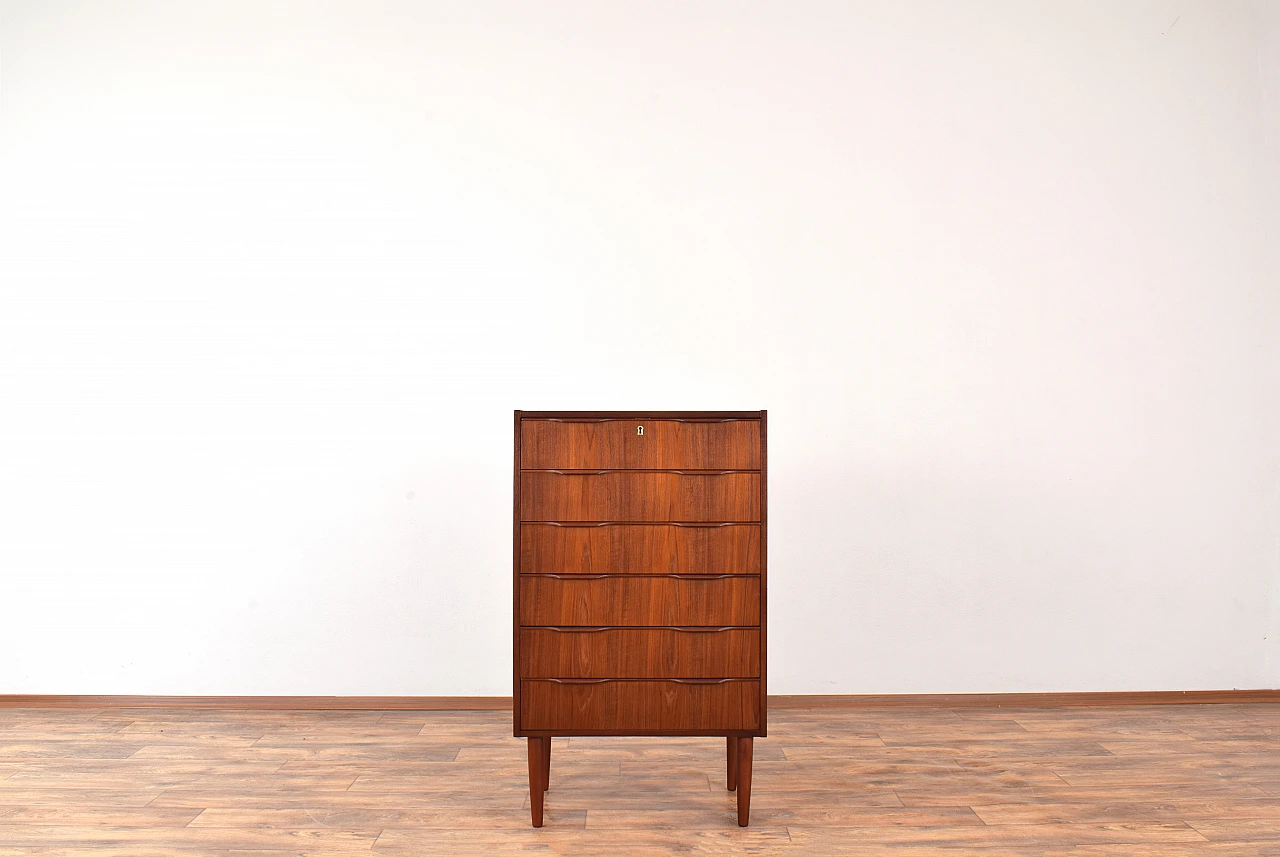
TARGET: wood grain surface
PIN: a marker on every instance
(727, 445)
(640, 653)
(1109, 781)
(640, 549)
(639, 600)
(638, 706)
(620, 495)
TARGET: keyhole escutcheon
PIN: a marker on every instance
(639, 429)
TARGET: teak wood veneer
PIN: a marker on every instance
(639, 581)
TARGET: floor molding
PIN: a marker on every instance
(503, 703)
(265, 703)
(996, 700)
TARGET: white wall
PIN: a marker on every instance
(274, 277)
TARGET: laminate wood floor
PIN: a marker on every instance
(993, 782)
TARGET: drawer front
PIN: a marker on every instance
(639, 549)
(637, 496)
(640, 600)
(728, 445)
(639, 706)
(639, 653)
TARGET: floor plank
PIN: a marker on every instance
(998, 782)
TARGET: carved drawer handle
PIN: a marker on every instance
(577, 680)
(705, 680)
(690, 630)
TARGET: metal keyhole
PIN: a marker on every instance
(639, 429)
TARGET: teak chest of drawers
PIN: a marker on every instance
(640, 555)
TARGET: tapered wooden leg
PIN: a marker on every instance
(536, 778)
(744, 781)
(731, 763)
(546, 764)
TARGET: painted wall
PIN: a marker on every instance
(274, 276)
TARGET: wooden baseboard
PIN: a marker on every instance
(1047, 700)
(261, 703)
(503, 703)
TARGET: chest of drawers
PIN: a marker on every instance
(640, 568)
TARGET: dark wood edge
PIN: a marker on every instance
(515, 587)
(1035, 700)
(261, 703)
(640, 415)
(504, 703)
(764, 572)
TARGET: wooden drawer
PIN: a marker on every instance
(728, 445)
(636, 707)
(720, 445)
(639, 600)
(637, 496)
(640, 549)
(639, 653)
